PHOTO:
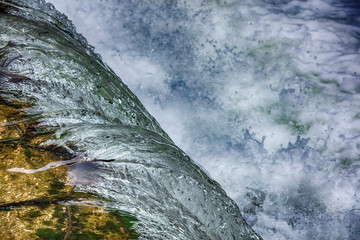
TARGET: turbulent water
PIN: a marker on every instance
(263, 94)
(121, 152)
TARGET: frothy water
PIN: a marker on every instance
(263, 94)
(121, 152)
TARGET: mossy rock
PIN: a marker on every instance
(41, 205)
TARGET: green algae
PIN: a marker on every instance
(27, 153)
(64, 134)
(49, 234)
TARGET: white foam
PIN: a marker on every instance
(226, 72)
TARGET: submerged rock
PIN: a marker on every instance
(41, 205)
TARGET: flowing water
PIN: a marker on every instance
(263, 94)
(120, 152)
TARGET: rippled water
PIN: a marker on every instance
(121, 152)
(263, 94)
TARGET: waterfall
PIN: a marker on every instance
(110, 145)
